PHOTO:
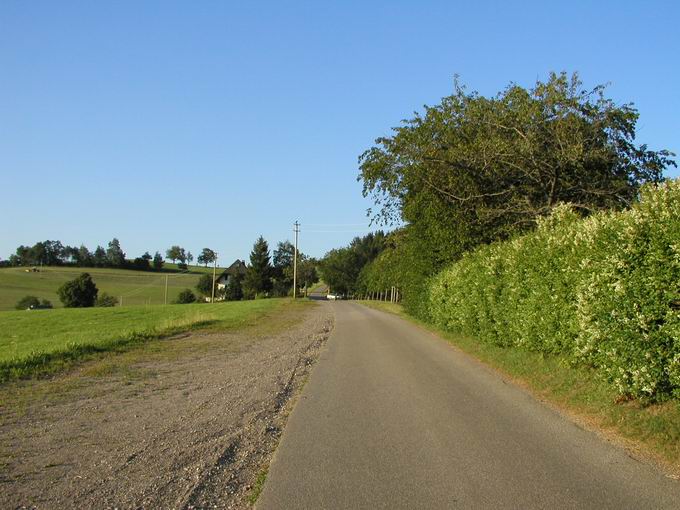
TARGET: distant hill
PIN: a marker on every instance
(136, 287)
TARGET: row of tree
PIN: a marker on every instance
(54, 253)
(473, 170)
(267, 275)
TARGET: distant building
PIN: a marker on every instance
(237, 268)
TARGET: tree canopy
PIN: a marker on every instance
(473, 169)
(207, 256)
(341, 267)
(483, 168)
(81, 292)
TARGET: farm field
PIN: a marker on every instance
(135, 287)
(30, 339)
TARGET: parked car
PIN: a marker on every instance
(332, 297)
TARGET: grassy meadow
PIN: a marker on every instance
(45, 340)
(136, 287)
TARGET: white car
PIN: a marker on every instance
(332, 297)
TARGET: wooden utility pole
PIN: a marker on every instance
(165, 300)
(296, 229)
(212, 299)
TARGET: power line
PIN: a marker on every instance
(340, 231)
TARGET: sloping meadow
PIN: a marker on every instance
(603, 291)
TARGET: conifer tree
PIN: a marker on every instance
(258, 277)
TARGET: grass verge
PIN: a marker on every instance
(258, 485)
(652, 431)
(41, 342)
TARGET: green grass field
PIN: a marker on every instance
(31, 341)
(135, 287)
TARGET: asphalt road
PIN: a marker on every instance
(393, 417)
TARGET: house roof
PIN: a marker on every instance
(237, 267)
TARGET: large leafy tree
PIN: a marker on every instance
(258, 276)
(474, 169)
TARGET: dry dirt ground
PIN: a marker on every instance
(186, 422)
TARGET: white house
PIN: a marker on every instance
(237, 268)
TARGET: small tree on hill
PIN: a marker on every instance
(174, 253)
(207, 256)
(80, 292)
(99, 257)
(158, 261)
(115, 254)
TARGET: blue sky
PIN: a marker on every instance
(210, 123)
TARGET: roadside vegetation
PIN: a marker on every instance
(541, 237)
(38, 342)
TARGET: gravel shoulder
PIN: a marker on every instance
(187, 422)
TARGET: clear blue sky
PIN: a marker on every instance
(209, 123)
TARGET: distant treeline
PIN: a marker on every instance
(55, 253)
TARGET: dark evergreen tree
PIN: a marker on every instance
(258, 276)
(157, 261)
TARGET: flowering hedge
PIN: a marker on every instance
(604, 290)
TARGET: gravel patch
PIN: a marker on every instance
(191, 432)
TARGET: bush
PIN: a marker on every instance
(45, 303)
(80, 292)
(185, 297)
(602, 290)
(205, 284)
(106, 300)
(27, 302)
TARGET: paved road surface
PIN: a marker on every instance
(393, 417)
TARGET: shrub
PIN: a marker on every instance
(27, 302)
(603, 291)
(45, 303)
(80, 292)
(205, 284)
(185, 297)
(106, 300)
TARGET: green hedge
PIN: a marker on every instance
(604, 290)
